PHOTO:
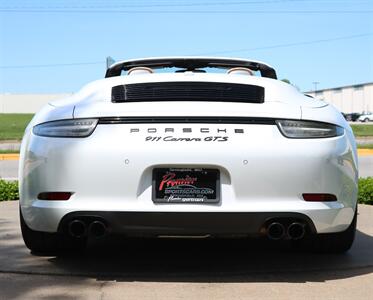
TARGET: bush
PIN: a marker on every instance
(8, 190)
(365, 195)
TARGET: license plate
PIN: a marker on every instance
(186, 185)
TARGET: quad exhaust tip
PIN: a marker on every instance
(296, 231)
(276, 231)
(98, 229)
(77, 228)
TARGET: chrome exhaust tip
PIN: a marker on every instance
(275, 231)
(98, 229)
(296, 231)
(77, 228)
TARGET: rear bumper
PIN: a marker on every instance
(261, 172)
(49, 217)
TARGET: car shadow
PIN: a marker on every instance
(228, 260)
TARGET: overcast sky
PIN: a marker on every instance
(58, 46)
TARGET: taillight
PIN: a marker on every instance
(72, 128)
(55, 196)
(319, 197)
(298, 129)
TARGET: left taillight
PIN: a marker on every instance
(74, 128)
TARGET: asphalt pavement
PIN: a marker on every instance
(366, 166)
(9, 169)
(184, 269)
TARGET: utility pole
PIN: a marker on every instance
(315, 83)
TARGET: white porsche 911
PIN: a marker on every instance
(188, 146)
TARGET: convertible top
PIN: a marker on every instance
(190, 64)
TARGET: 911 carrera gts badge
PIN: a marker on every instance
(204, 134)
(171, 138)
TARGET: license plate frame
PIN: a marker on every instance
(186, 185)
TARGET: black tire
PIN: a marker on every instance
(49, 243)
(339, 242)
(366, 120)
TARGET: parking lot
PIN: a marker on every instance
(184, 269)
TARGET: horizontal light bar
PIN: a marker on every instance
(308, 129)
(66, 128)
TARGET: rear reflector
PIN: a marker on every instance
(55, 196)
(319, 197)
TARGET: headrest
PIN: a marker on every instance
(240, 71)
(140, 71)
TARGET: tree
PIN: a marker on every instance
(288, 82)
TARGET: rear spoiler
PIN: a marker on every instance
(109, 62)
(190, 63)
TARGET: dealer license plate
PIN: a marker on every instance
(186, 185)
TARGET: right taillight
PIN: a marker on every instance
(308, 129)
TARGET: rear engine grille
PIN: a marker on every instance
(188, 91)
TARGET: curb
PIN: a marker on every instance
(11, 156)
(364, 152)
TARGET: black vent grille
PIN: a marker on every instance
(188, 91)
(186, 120)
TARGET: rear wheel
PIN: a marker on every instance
(336, 242)
(366, 120)
(48, 243)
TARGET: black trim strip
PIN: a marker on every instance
(177, 120)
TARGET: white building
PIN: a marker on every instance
(26, 103)
(356, 98)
